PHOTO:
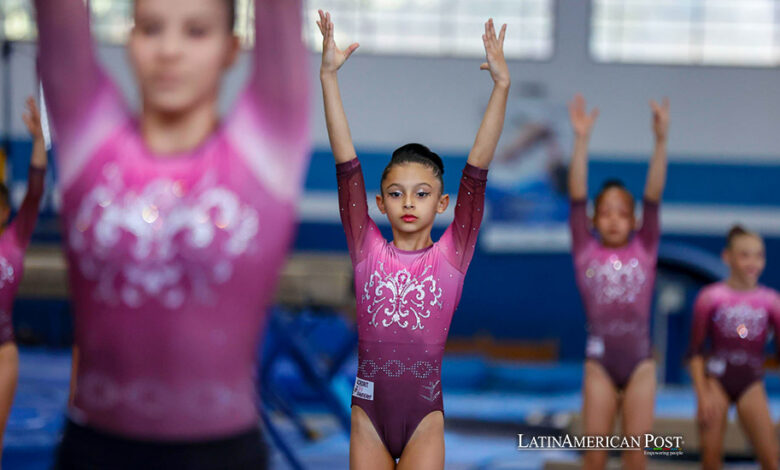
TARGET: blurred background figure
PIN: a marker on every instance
(615, 263)
(513, 362)
(736, 315)
(175, 225)
(14, 240)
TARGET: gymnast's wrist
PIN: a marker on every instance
(328, 74)
(502, 84)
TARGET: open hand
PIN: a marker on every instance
(32, 119)
(494, 49)
(581, 120)
(332, 57)
(660, 118)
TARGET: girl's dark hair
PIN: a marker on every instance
(610, 184)
(737, 231)
(416, 153)
(5, 198)
(231, 11)
(231, 6)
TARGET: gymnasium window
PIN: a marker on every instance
(437, 27)
(18, 23)
(687, 32)
(396, 27)
(111, 19)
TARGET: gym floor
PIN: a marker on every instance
(482, 425)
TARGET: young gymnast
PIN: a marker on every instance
(736, 316)
(615, 272)
(176, 225)
(13, 243)
(408, 288)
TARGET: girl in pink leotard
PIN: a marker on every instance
(176, 225)
(615, 272)
(13, 243)
(736, 315)
(408, 288)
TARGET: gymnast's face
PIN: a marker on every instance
(411, 197)
(179, 50)
(746, 258)
(614, 217)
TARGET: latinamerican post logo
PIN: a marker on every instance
(651, 444)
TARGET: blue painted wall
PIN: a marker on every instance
(532, 296)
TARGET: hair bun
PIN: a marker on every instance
(409, 151)
(416, 153)
(736, 230)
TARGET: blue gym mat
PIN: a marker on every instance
(37, 414)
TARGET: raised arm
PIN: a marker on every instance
(279, 81)
(460, 239)
(335, 117)
(656, 174)
(32, 119)
(25, 219)
(358, 226)
(67, 64)
(582, 122)
(360, 230)
(493, 121)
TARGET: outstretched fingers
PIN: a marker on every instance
(490, 38)
(323, 23)
(326, 25)
(579, 115)
(32, 108)
(32, 117)
(660, 110)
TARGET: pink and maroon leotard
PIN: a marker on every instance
(616, 285)
(405, 302)
(13, 244)
(173, 259)
(737, 324)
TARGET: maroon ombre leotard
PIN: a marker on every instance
(405, 302)
(13, 244)
(616, 285)
(173, 259)
(737, 324)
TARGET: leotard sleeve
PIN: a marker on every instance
(270, 121)
(578, 224)
(650, 233)
(24, 222)
(360, 230)
(702, 311)
(460, 238)
(83, 104)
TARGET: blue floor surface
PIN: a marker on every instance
(37, 416)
